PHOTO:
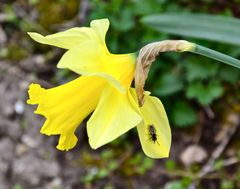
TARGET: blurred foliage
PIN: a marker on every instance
(227, 184)
(17, 186)
(170, 165)
(104, 165)
(183, 114)
(58, 11)
(179, 184)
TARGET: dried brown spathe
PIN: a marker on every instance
(148, 54)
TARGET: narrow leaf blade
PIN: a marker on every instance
(216, 28)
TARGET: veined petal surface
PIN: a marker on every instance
(154, 115)
(113, 116)
(66, 106)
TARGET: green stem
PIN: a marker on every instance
(216, 55)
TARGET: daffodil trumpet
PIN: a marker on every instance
(103, 89)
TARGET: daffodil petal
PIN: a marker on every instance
(66, 39)
(87, 57)
(90, 59)
(101, 27)
(154, 115)
(113, 116)
(66, 106)
(67, 141)
(111, 81)
(86, 62)
(121, 67)
(70, 38)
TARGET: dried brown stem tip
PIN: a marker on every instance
(148, 54)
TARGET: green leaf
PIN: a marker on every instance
(205, 94)
(136, 159)
(107, 154)
(218, 165)
(142, 7)
(88, 178)
(215, 89)
(202, 26)
(168, 84)
(174, 185)
(109, 186)
(103, 173)
(183, 115)
(229, 74)
(113, 165)
(170, 165)
(186, 181)
(124, 22)
(148, 163)
(198, 69)
(17, 186)
(227, 184)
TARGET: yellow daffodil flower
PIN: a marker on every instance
(103, 88)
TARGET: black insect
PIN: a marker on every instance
(152, 133)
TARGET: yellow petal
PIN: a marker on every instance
(101, 27)
(121, 67)
(113, 116)
(85, 58)
(66, 39)
(154, 115)
(67, 141)
(66, 106)
(91, 58)
(70, 38)
(88, 54)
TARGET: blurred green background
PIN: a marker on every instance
(199, 95)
